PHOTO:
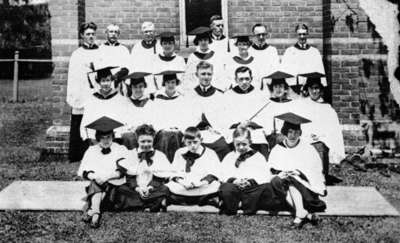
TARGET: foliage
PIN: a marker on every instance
(27, 29)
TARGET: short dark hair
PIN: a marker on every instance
(301, 26)
(258, 25)
(145, 129)
(276, 82)
(99, 134)
(191, 133)
(86, 26)
(243, 69)
(215, 17)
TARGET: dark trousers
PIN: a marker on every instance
(77, 146)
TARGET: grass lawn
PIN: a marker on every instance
(22, 128)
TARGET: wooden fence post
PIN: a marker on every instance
(15, 80)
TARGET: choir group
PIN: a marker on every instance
(236, 126)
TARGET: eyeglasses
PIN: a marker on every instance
(261, 34)
(219, 25)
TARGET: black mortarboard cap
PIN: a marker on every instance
(104, 125)
(103, 72)
(291, 121)
(136, 78)
(278, 77)
(313, 78)
(169, 75)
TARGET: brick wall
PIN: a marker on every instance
(343, 48)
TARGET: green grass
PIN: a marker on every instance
(22, 131)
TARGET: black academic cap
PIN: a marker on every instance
(169, 75)
(251, 124)
(136, 78)
(242, 38)
(291, 121)
(104, 125)
(103, 72)
(167, 36)
(201, 33)
(278, 77)
(313, 78)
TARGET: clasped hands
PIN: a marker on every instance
(144, 191)
(242, 183)
(191, 184)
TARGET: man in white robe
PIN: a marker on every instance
(143, 53)
(220, 43)
(208, 104)
(240, 104)
(79, 87)
(301, 58)
(266, 54)
(244, 58)
(115, 54)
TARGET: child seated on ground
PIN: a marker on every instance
(146, 174)
(246, 179)
(197, 168)
(99, 165)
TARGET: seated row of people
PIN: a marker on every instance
(142, 178)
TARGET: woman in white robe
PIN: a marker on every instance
(299, 166)
(147, 173)
(99, 166)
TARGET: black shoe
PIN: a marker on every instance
(95, 223)
(332, 180)
(313, 219)
(86, 218)
(297, 225)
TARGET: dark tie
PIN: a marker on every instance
(147, 156)
(105, 150)
(243, 157)
(190, 158)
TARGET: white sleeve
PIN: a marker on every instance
(73, 81)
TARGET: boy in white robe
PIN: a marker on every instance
(99, 166)
(107, 101)
(146, 175)
(247, 181)
(115, 54)
(265, 54)
(167, 60)
(197, 168)
(299, 168)
(204, 53)
(240, 104)
(208, 105)
(79, 88)
(173, 113)
(143, 53)
(301, 58)
(244, 58)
